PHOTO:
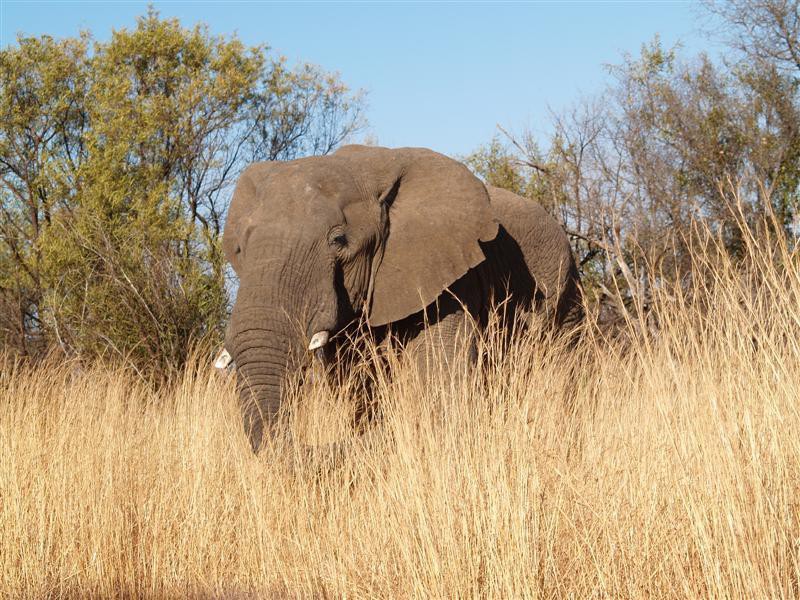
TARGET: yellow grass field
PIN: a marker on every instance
(667, 466)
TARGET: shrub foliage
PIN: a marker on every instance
(672, 141)
(116, 160)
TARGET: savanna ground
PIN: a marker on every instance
(663, 464)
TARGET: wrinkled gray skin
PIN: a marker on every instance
(378, 233)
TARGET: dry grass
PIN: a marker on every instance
(670, 469)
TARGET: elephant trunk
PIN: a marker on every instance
(277, 319)
(264, 354)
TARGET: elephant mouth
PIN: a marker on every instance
(319, 348)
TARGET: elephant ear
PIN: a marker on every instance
(437, 213)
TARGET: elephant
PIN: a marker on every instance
(403, 239)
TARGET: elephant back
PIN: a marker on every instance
(531, 258)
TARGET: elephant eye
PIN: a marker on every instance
(338, 239)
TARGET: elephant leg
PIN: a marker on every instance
(445, 335)
(366, 410)
(448, 343)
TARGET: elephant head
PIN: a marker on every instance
(319, 241)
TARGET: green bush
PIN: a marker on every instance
(116, 161)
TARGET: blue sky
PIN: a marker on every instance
(440, 75)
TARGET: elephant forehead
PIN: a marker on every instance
(303, 214)
(315, 181)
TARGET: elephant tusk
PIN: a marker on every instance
(318, 340)
(223, 360)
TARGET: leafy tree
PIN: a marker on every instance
(669, 142)
(43, 84)
(497, 166)
(116, 161)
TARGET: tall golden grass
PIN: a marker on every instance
(668, 466)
